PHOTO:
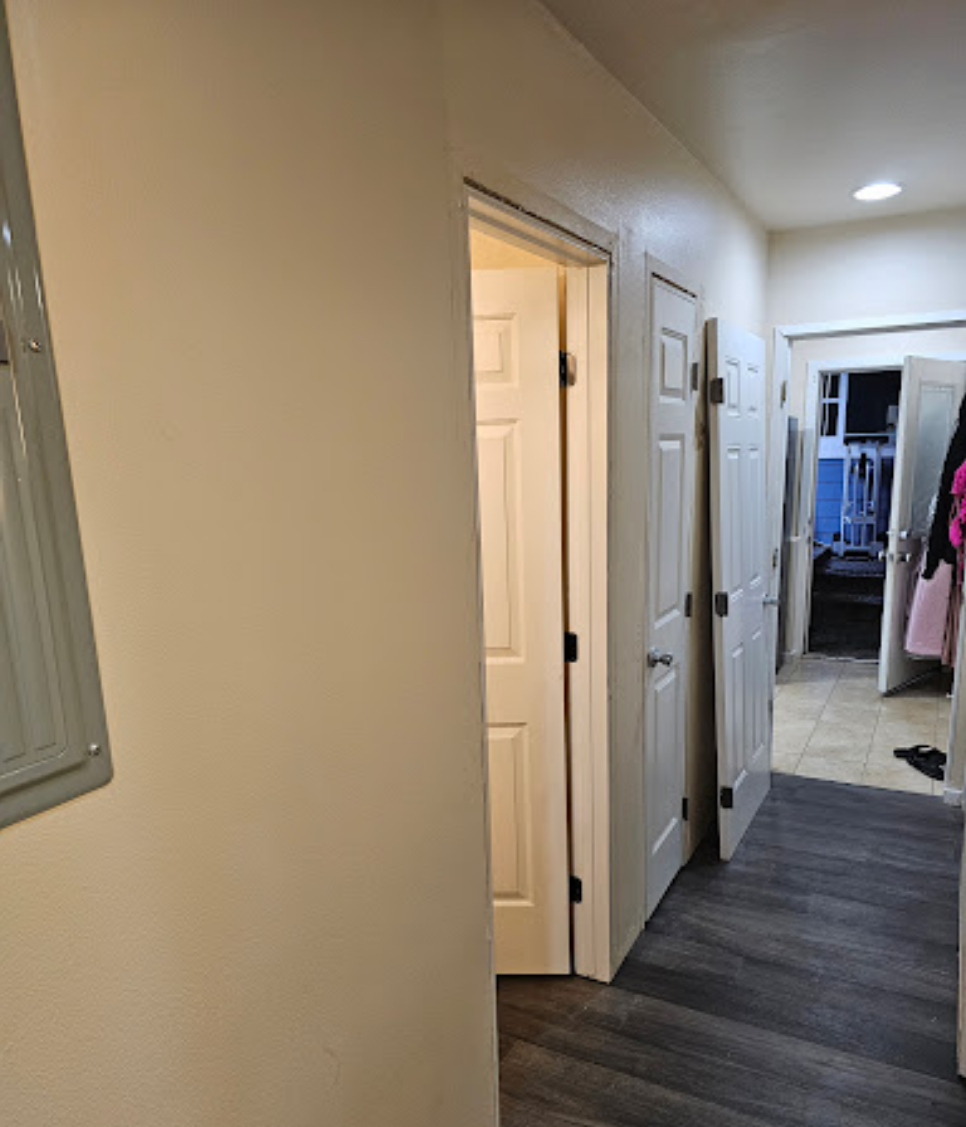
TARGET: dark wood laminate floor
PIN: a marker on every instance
(812, 981)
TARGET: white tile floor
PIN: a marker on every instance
(831, 723)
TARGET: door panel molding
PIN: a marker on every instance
(672, 349)
(740, 574)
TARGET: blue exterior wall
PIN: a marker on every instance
(828, 499)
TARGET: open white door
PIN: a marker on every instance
(516, 350)
(928, 406)
(673, 348)
(740, 565)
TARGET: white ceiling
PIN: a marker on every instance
(794, 103)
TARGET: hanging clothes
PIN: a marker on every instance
(957, 538)
(932, 630)
(938, 546)
(929, 614)
(957, 509)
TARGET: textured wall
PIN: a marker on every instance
(882, 267)
(276, 914)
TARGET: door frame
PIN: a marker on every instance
(795, 642)
(802, 577)
(589, 303)
(784, 338)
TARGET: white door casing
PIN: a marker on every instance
(777, 489)
(515, 348)
(740, 570)
(928, 406)
(585, 466)
(672, 349)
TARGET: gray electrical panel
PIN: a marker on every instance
(53, 735)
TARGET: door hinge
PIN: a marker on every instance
(568, 369)
(570, 648)
(684, 808)
(727, 798)
(576, 890)
(688, 605)
(695, 376)
(784, 398)
(716, 390)
(721, 604)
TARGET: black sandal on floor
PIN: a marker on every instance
(907, 753)
(931, 763)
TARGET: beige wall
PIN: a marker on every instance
(879, 268)
(535, 118)
(905, 264)
(276, 914)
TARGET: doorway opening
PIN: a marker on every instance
(869, 703)
(539, 303)
(858, 415)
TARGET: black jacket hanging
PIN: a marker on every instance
(938, 546)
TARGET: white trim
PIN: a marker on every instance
(779, 395)
(587, 325)
(655, 267)
(589, 269)
(956, 741)
(862, 326)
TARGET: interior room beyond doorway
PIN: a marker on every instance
(858, 415)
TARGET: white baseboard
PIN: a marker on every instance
(952, 796)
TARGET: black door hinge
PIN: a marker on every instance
(684, 808)
(716, 390)
(688, 605)
(576, 890)
(568, 369)
(695, 376)
(721, 604)
(570, 648)
(727, 798)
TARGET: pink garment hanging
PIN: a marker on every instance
(957, 537)
(926, 631)
(957, 512)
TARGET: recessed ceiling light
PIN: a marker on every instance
(881, 190)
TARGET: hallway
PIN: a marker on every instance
(810, 982)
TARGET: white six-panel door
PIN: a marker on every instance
(672, 343)
(516, 347)
(928, 406)
(740, 559)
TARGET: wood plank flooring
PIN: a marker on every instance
(809, 983)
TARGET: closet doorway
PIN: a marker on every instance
(539, 301)
(880, 644)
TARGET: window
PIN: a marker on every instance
(53, 735)
(833, 392)
(830, 420)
